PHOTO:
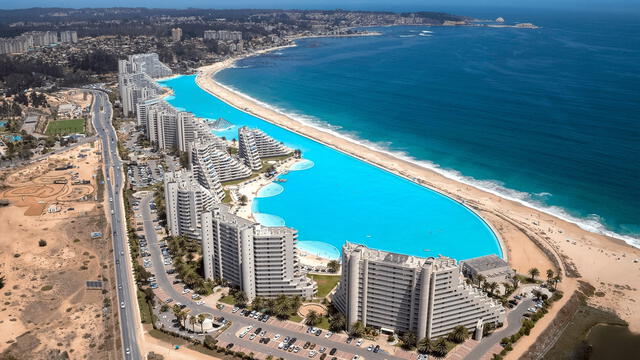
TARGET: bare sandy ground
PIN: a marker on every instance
(46, 307)
(606, 263)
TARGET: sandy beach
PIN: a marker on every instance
(530, 238)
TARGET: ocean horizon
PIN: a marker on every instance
(562, 139)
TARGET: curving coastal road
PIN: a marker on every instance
(129, 316)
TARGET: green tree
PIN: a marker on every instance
(313, 318)
(550, 274)
(243, 200)
(240, 298)
(425, 345)
(533, 273)
(201, 319)
(408, 339)
(480, 279)
(515, 281)
(357, 329)
(492, 286)
(440, 348)
(333, 266)
(337, 322)
(192, 321)
(459, 334)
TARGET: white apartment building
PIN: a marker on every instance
(400, 293)
(68, 37)
(254, 145)
(248, 149)
(261, 261)
(148, 64)
(185, 201)
(134, 89)
(204, 150)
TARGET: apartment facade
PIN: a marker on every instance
(261, 261)
(185, 201)
(255, 144)
(407, 293)
(206, 150)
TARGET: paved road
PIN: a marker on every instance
(129, 324)
(273, 326)
(513, 325)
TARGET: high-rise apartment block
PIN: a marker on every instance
(254, 144)
(68, 37)
(185, 201)
(176, 34)
(135, 80)
(407, 293)
(227, 167)
(261, 261)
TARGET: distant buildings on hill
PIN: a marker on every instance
(136, 80)
(33, 39)
(223, 35)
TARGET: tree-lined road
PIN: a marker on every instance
(127, 299)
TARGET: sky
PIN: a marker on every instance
(393, 5)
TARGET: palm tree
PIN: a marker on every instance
(556, 280)
(201, 318)
(312, 318)
(550, 274)
(459, 334)
(337, 322)
(192, 321)
(240, 298)
(533, 272)
(480, 279)
(537, 294)
(425, 346)
(333, 266)
(357, 329)
(515, 280)
(440, 349)
(408, 340)
(492, 287)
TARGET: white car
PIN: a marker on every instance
(281, 345)
(201, 302)
(122, 305)
(360, 341)
(276, 337)
(328, 335)
(312, 353)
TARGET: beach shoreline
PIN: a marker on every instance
(528, 237)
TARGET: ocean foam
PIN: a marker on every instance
(592, 223)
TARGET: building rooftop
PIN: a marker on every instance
(486, 262)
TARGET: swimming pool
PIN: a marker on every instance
(336, 198)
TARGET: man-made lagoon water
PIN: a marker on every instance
(333, 197)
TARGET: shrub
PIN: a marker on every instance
(42, 243)
(46, 288)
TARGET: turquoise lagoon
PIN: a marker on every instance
(333, 197)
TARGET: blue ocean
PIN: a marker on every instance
(549, 117)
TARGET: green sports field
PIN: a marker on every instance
(63, 127)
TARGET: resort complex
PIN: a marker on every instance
(395, 292)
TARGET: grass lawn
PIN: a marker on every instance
(326, 283)
(227, 300)
(236, 182)
(324, 324)
(145, 310)
(295, 318)
(63, 127)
